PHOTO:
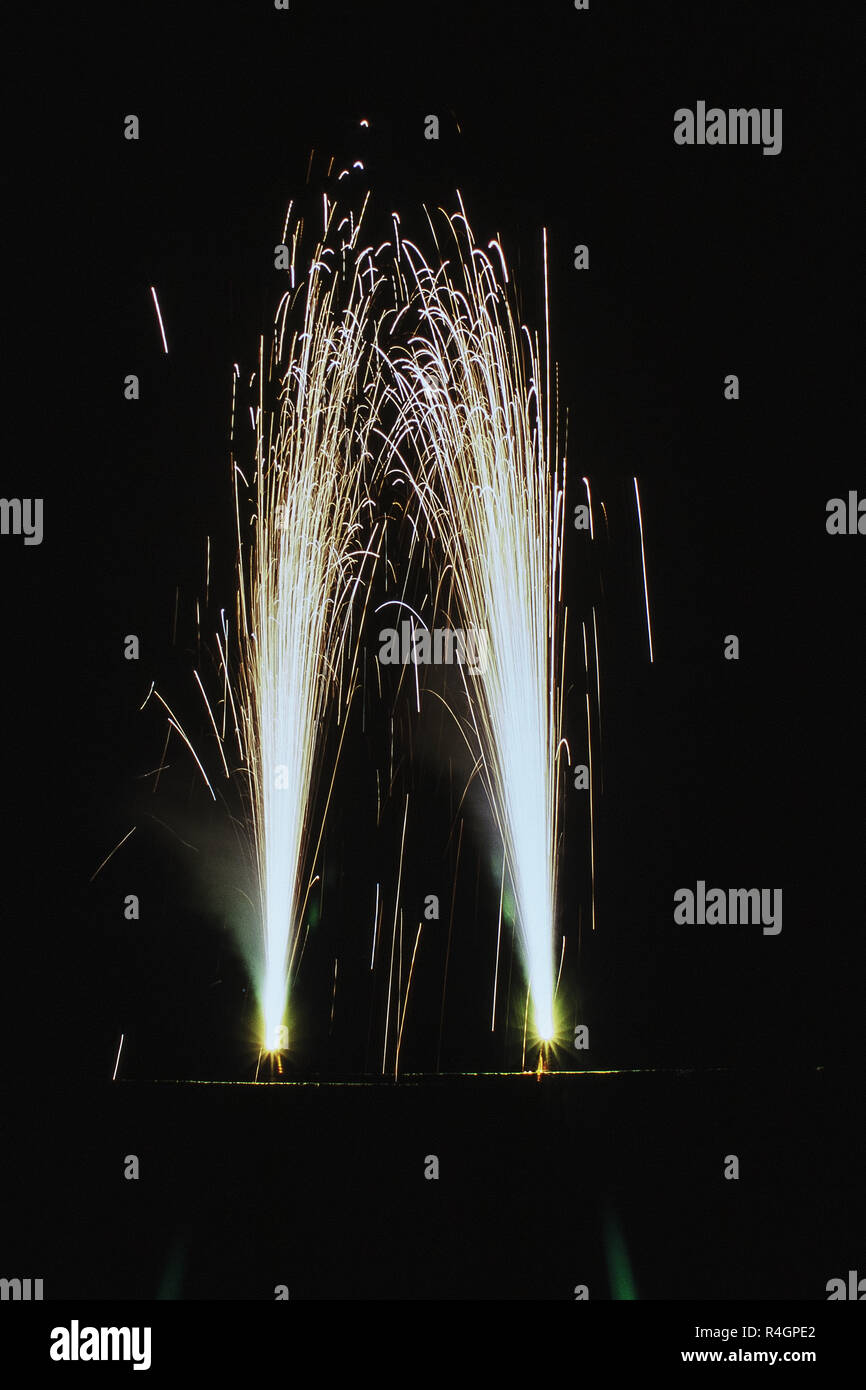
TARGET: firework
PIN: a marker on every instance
(474, 397)
(311, 552)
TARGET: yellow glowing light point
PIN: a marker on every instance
(543, 1068)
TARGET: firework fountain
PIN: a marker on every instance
(471, 392)
(312, 547)
(474, 398)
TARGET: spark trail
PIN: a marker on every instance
(303, 574)
(474, 395)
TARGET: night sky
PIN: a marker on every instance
(703, 262)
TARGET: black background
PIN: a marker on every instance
(703, 261)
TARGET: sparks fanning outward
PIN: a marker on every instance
(475, 399)
(311, 550)
(472, 392)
